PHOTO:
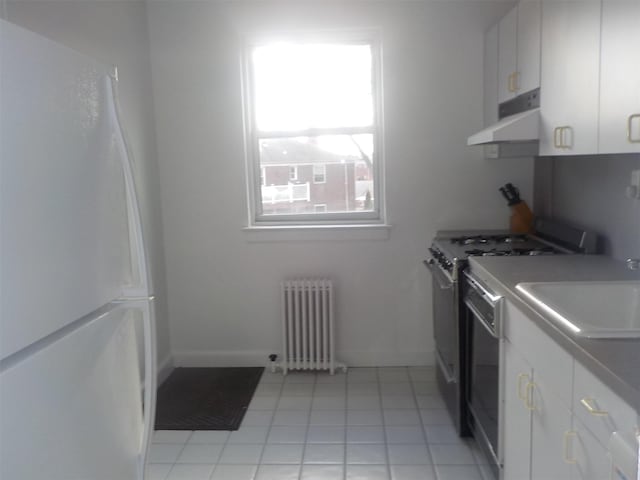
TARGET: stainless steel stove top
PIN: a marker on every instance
(451, 248)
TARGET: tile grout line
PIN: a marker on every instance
(306, 433)
(422, 426)
(384, 424)
(273, 416)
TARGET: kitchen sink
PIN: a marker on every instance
(589, 309)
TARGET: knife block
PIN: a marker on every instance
(521, 220)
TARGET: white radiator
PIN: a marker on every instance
(308, 325)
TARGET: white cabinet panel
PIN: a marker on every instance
(591, 459)
(64, 232)
(507, 54)
(570, 77)
(550, 426)
(516, 429)
(491, 76)
(519, 50)
(620, 77)
(529, 30)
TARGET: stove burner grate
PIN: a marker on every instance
(510, 252)
(471, 240)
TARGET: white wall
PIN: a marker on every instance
(115, 32)
(223, 288)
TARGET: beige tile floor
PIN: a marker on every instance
(368, 424)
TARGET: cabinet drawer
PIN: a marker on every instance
(552, 365)
(610, 413)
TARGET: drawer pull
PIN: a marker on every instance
(587, 403)
(567, 447)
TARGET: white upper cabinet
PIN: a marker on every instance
(507, 53)
(529, 28)
(620, 77)
(570, 77)
(519, 50)
(491, 76)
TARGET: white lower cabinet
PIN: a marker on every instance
(537, 424)
(517, 415)
(550, 435)
(556, 422)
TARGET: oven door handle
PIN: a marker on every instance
(448, 376)
(444, 282)
(482, 290)
(480, 318)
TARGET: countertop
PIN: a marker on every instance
(616, 362)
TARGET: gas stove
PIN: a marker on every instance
(448, 260)
(451, 248)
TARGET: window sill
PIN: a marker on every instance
(295, 233)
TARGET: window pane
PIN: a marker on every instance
(304, 86)
(345, 160)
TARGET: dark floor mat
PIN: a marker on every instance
(205, 398)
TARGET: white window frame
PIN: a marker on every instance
(322, 166)
(252, 157)
(294, 169)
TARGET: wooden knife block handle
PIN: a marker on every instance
(521, 220)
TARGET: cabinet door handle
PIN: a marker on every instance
(556, 137)
(521, 394)
(630, 128)
(528, 392)
(563, 144)
(587, 403)
(568, 435)
(511, 83)
(516, 81)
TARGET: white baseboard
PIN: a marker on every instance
(253, 358)
(224, 358)
(165, 367)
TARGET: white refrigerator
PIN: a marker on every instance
(77, 338)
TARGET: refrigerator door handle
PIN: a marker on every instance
(142, 282)
(146, 306)
(150, 379)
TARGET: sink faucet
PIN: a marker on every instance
(633, 263)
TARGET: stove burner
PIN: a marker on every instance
(510, 252)
(541, 251)
(494, 252)
(510, 238)
(471, 240)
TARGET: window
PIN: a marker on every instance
(319, 173)
(314, 121)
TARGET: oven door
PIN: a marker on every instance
(483, 367)
(445, 321)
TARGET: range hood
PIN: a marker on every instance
(521, 127)
(519, 122)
